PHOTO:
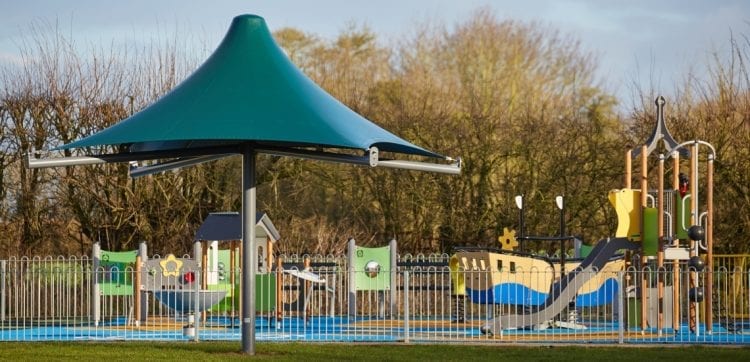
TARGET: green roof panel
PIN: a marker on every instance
(248, 90)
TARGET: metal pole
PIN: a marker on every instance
(453, 169)
(352, 248)
(394, 269)
(561, 206)
(660, 271)
(644, 260)
(197, 284)
(248, 250)
(173, 165)
(143, 295)
(522, 221)
(406, 306)
(2, 290)
(96, 255)
(621, 300)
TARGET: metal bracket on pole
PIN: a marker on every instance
(374, 156)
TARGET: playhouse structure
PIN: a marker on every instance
(209, 280)
(220, 238)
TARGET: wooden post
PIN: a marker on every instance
(676, 263)
(628, 168)
(204, 265)
(279, 289)
(628, 185)
(204, 273)
(660, 272)
(269, 254)
(137, 291)
(644, 198)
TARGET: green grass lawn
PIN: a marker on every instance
(220, 351)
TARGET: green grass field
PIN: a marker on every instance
(220, 351)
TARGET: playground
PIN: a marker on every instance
(420, 307)
(368, 295)
(655, 281)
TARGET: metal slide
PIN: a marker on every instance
(563, 291)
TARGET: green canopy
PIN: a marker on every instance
(248, 90)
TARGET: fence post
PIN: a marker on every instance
(621, 300)
(198, 283)
(96, 255)
(406, 306)
(393, 271)
(2, 290)
(142, 294)
(332, 304)
(352, 278)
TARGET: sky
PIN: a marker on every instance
(651, 43)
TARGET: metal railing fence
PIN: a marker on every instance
(53, 299)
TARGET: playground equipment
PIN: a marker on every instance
(524, 280)
(574, 286)
(46, 296)
(178, 283)
(641, 218)
(372, 269)
(221, 265)
(306, 283)
(641, 227)
(114, 276)
(537, 288)
(175, 282)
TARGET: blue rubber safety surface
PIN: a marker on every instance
(349, 329)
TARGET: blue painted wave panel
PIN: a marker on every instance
(519, 294)
(602, 296)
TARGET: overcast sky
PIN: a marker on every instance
(634, 41)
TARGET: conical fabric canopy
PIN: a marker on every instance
(248, 90)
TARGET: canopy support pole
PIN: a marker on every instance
(248, 249)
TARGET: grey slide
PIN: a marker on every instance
(564, 290)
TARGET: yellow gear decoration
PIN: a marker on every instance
(508, 239)
(171, 266)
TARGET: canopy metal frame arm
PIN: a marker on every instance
(192, 156)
